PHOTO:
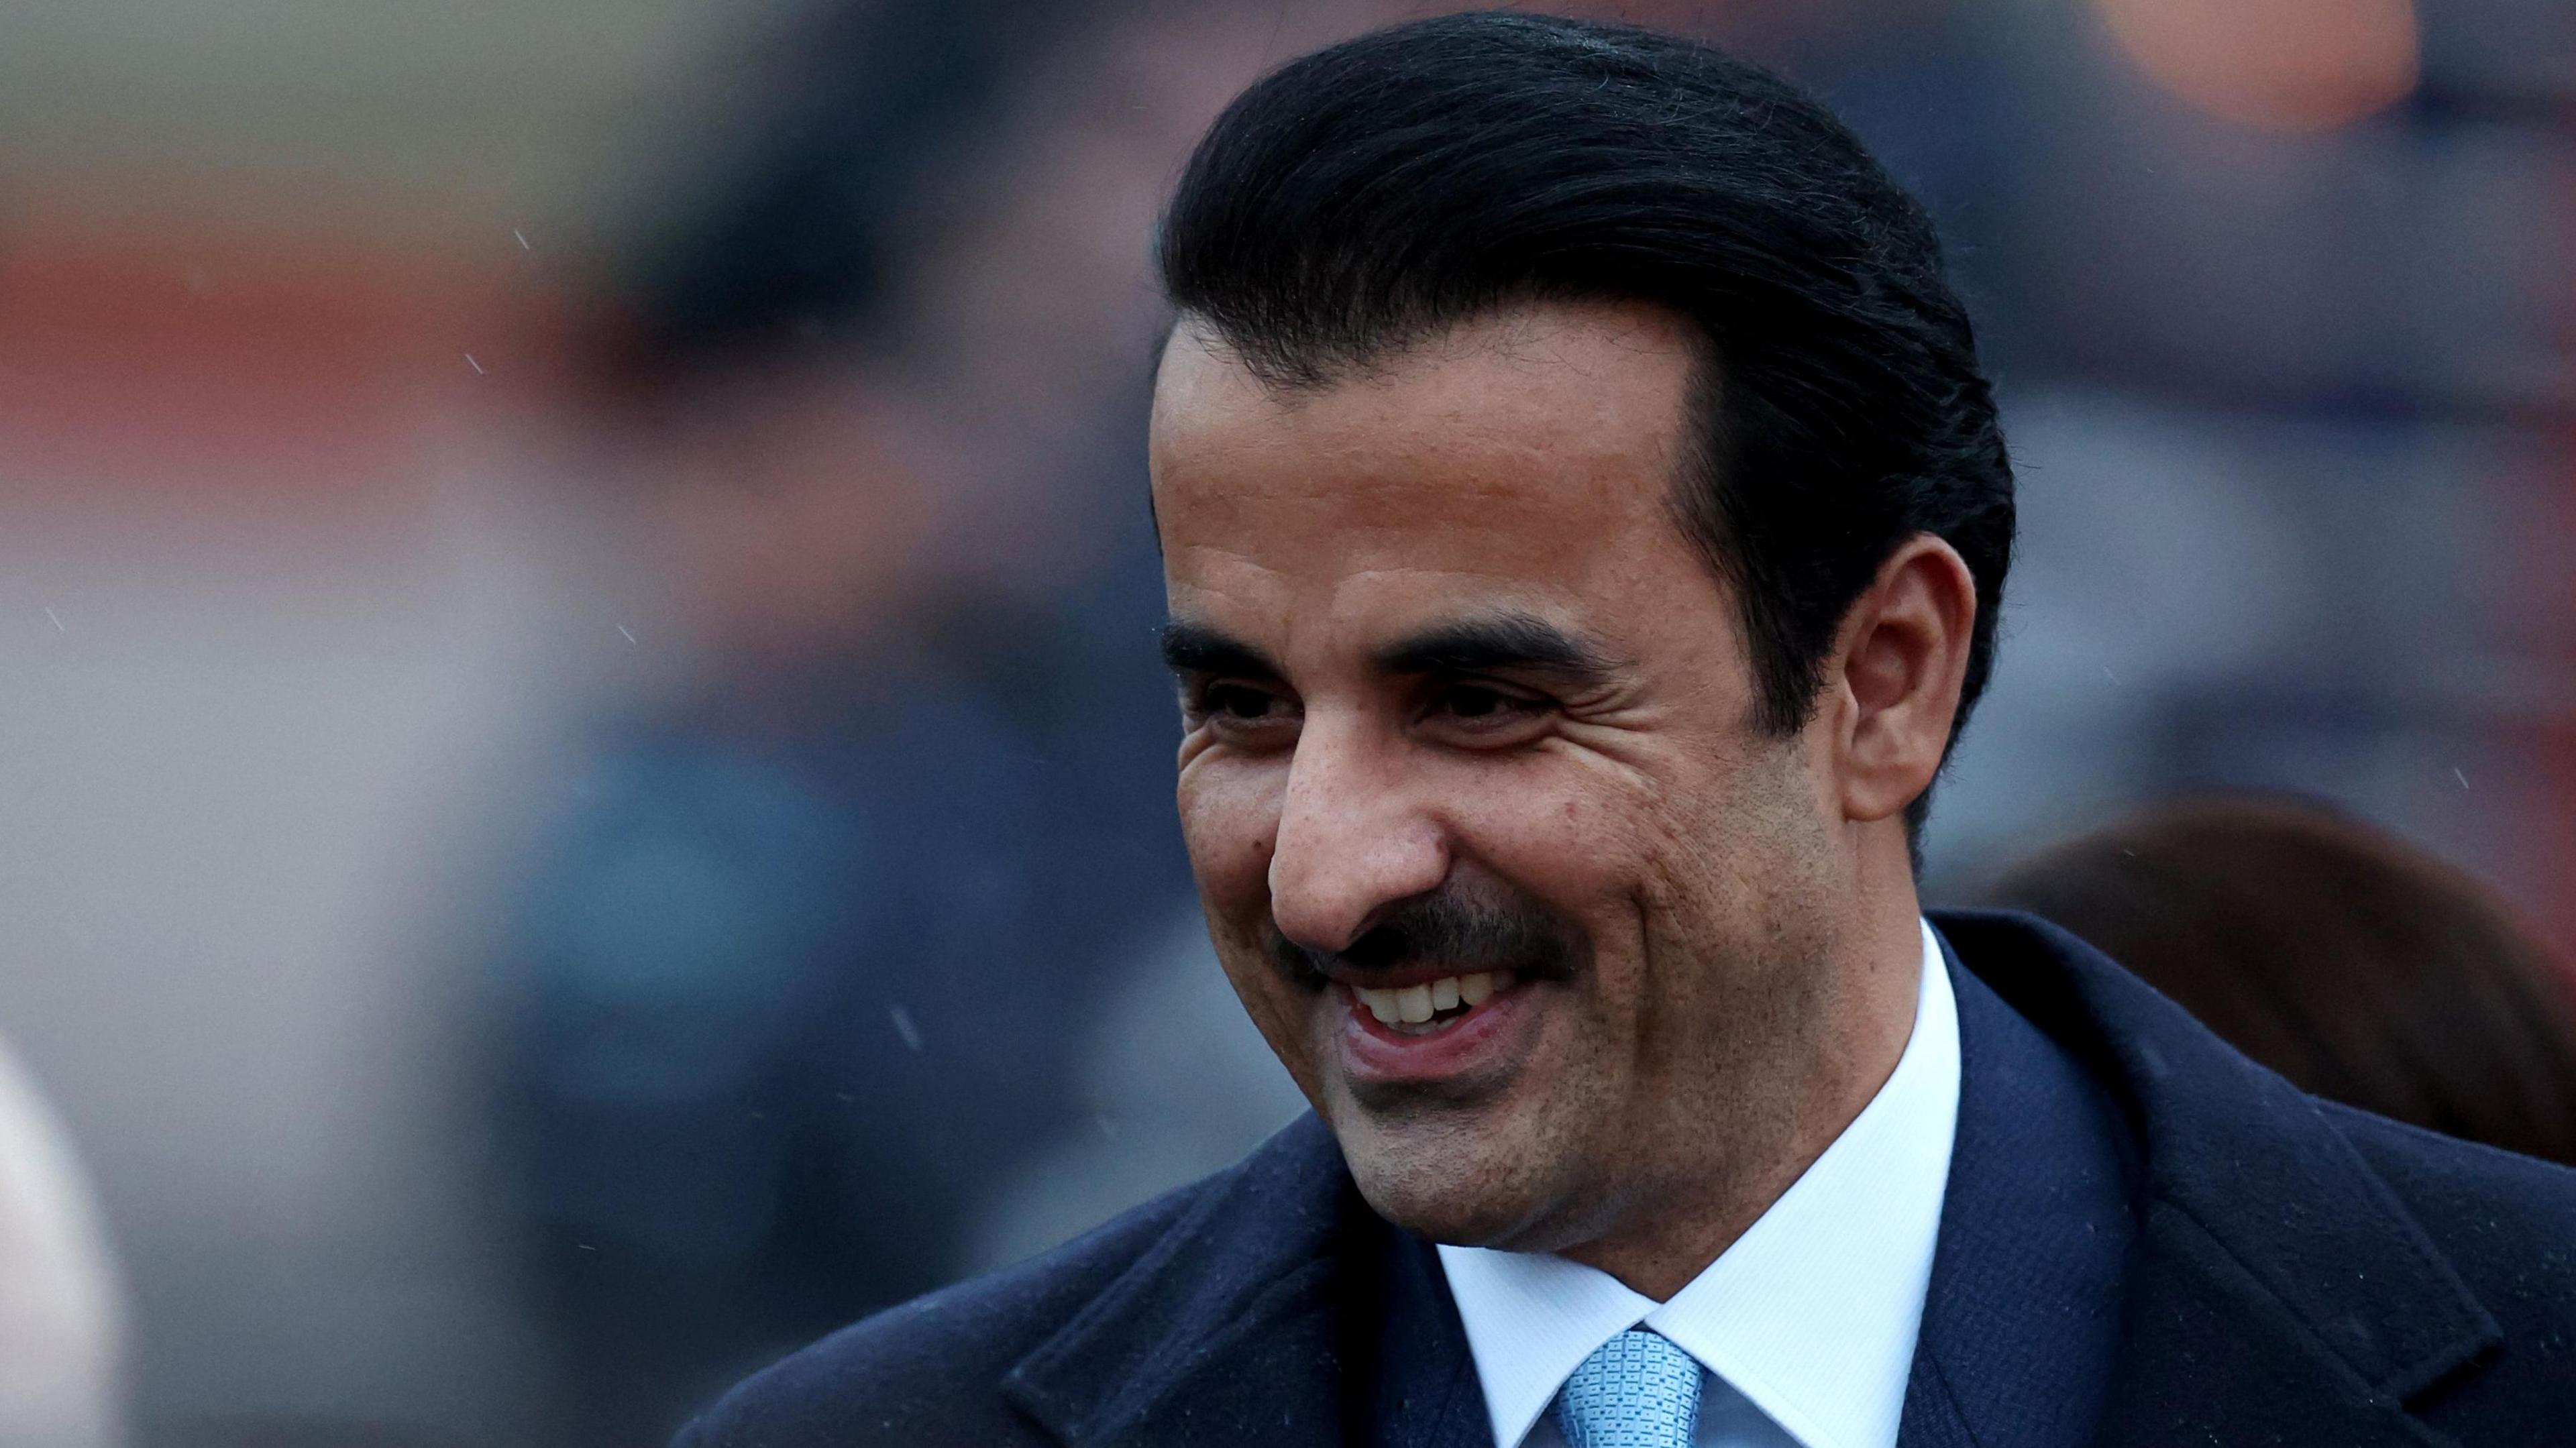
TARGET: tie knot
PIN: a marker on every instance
(1636, 1391)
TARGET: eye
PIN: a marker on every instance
(1474, 701)
(1238, 702)
(1238, 709)
(1486, 712)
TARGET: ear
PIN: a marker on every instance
(1895, 676)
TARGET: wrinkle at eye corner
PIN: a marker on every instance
(1631, 776)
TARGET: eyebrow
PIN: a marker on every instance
(1196, 648)
(1498, 642)
(1489, 643)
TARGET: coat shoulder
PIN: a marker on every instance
(930, 1370)
(2479, 1204)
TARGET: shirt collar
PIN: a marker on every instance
(1812, 1314)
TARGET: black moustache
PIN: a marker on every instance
(1461, 934)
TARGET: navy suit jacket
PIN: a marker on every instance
(2147, 1239)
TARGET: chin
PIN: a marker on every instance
(1453, 1183)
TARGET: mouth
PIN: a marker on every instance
(1433, 1006)
(1461, 1032)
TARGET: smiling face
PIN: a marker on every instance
(1550, 932)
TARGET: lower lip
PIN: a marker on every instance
(1490, 1034)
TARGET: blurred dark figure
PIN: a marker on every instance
(789, 986)
(2356, 965)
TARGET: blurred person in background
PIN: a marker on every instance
(1557, 828)
(2358, 966)
(791, 984)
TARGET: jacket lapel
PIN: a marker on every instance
(1423, 1392)
(1238, 1327)
(2021, 1318)
(2217, 1355)
(2278, 1292)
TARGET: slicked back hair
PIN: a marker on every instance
(1376, 193)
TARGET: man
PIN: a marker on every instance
(1583, 522)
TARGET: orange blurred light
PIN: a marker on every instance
(2283, 65)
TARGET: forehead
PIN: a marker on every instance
(1527, 457)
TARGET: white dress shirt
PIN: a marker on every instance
(1806, 1325)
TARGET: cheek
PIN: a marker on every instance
(1742, 866)
(1230, 815)
(1665, 856)
(1229, 821)
(1581, 839)
(1229, 818)
(1284, 1016)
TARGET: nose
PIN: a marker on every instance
(1353, 840)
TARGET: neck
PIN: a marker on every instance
(1856, 1026)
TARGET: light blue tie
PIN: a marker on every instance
(1636, 1391)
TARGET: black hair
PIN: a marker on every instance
(1389, 187)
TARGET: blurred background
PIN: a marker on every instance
(586, 789)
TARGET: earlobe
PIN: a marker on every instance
(1903, 657)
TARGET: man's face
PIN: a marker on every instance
(1470, 737)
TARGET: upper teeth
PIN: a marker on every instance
(1414, 1004)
